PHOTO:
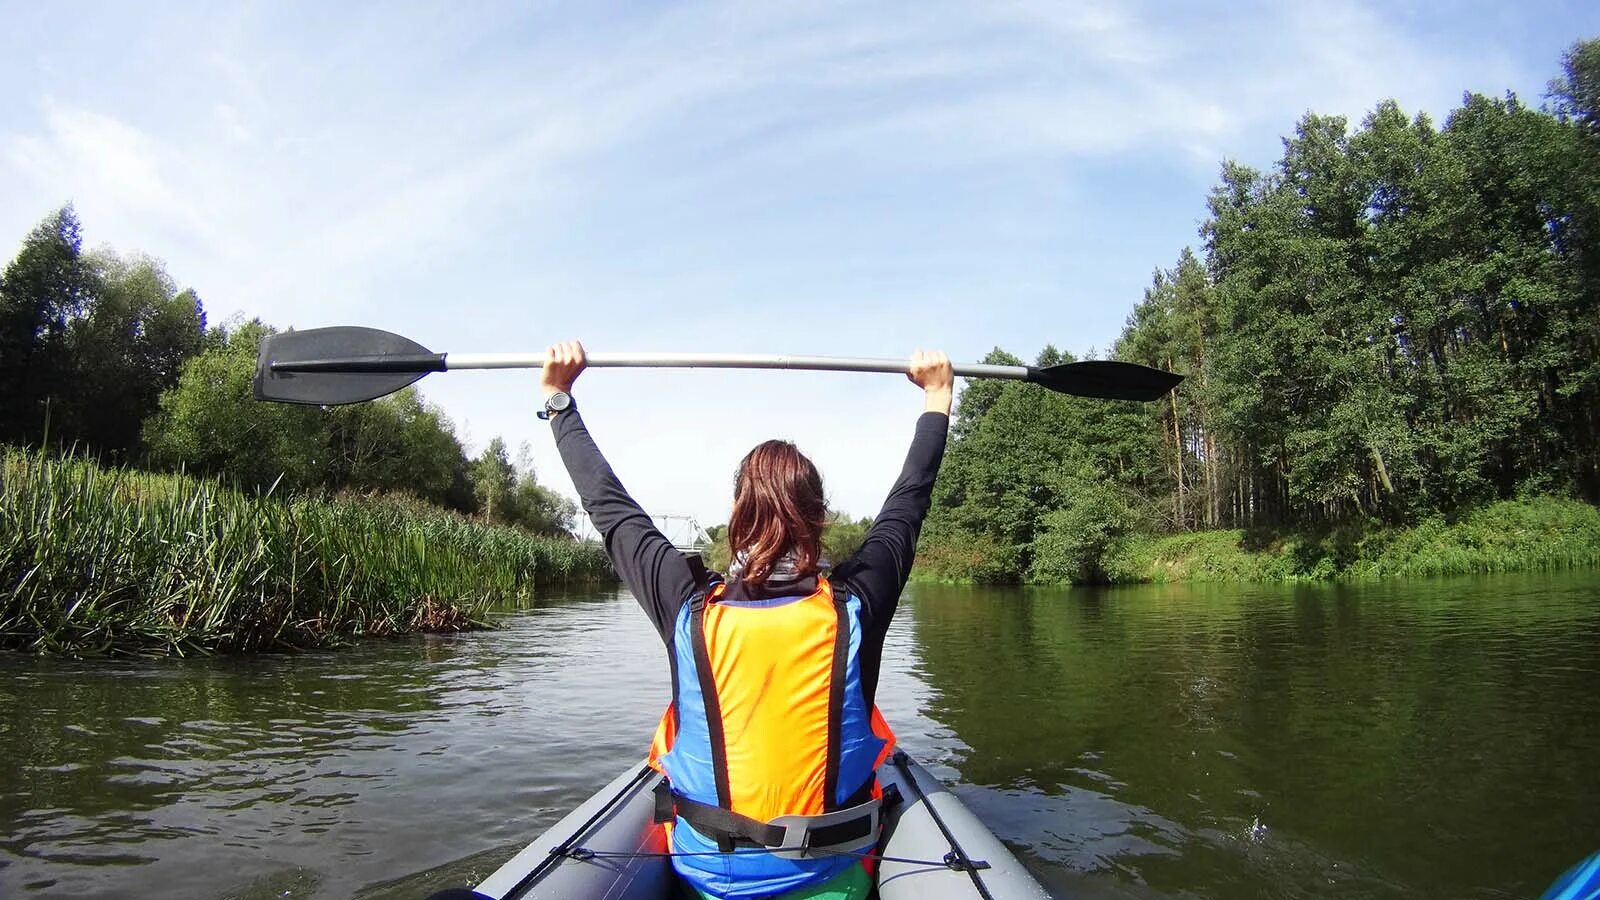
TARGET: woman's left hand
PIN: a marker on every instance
(563, 363)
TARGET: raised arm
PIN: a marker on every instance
(878, 571)
(655, 571)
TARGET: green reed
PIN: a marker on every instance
(1536, 534)
(96, 559)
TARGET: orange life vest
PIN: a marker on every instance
(768, 719)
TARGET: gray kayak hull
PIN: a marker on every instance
(618, 822)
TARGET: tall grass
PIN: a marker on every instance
(1540, 534)
(1195, 556)
(96, 559)
(1537, 534)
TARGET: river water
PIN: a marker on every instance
(1400, 739)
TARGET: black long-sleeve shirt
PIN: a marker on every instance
(660, 575)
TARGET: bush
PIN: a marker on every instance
(1539, 534)
(1073, 539)
(979, 560)
(1514, 535)
(1195, 556)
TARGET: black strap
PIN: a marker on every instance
(716, 822)
(841, 661)
(726, 826)
(663, 793)
(708, 696)
(698, 571)
(828, 835)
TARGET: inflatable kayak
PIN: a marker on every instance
(611, 847)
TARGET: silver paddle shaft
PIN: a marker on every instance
(455, 361)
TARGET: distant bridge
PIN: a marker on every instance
(685, 532)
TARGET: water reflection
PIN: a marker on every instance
(322, 772)
(1418, 739)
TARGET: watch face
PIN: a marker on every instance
(558, 401)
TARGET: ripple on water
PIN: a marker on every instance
(1365, 741)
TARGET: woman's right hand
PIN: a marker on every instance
(563, 363)
(930, 370)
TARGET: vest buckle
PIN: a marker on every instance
(842, 831)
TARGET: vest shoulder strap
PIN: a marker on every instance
(697, 569)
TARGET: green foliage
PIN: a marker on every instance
(718, 556)
(396, 443)
(1019, 456)
(1396, 322)
(88, 342)
(1398, 325)
(967, 557)
(128, 346)
(1170, 330)
(843, 536)
(1513, 536)
(542, 510)
(1074, 537)
(43, 290)
(509, 495)
(1540, 534)
(97, 559)
(211, 424)
(122, 364)
(1194, 556)
(493, 480)
(1577, 91)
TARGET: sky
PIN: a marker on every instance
(809, 178)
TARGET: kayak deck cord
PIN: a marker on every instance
(956, 860)
(902, 762)
(950, 861)
(567, 846)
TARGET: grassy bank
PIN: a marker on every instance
(95, 559)
(1540, 534)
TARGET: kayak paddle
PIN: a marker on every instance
(347, 364)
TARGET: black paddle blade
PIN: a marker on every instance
(343, 364)
(1106, 379)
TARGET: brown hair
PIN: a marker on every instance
(777, 507)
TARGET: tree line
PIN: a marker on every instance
(102, 354)
(1397, 321)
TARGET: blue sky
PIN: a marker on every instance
(835, 178)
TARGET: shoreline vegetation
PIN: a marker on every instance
(161, 509)
(1391, 343)
(1539, 534)
(1391, 340)
(97, 559)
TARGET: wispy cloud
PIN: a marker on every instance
(786, 176)
(112, 164)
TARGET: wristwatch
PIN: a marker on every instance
(559, 402)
